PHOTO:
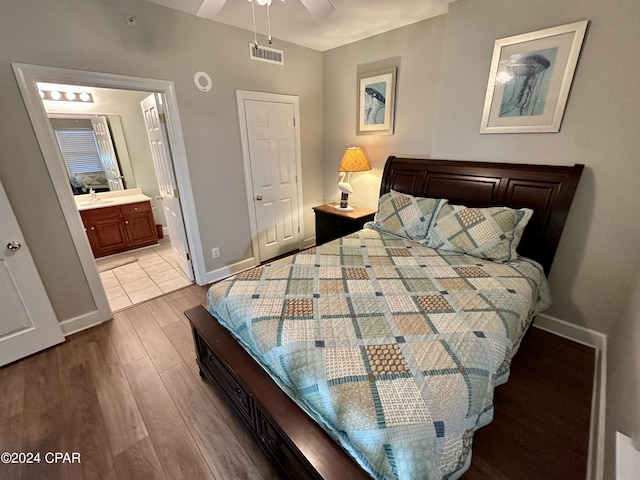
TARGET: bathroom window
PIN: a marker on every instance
(79, 150)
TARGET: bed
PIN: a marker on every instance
(376, 355)
(83, 182)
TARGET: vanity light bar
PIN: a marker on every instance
(55, 95)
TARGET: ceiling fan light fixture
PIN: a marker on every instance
(262, 3)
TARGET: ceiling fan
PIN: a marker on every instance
(318, 8)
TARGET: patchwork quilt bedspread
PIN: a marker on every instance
(88, 180)
(394, 348)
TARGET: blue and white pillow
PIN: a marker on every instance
(405, 215)
(492, 233)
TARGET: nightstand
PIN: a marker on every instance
(332, 223)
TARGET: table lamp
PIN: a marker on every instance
(353, 160)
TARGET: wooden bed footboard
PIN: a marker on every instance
(293, 442)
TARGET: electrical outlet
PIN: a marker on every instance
(215, 252)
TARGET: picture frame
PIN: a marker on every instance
(375, 107)
(530, 79)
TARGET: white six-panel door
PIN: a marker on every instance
(271, 141)
(107, 152)
(28, 323)
(154, 120)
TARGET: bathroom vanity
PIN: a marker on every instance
(117, 221)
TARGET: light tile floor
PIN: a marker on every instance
(134, 277)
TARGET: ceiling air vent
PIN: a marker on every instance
(266, 54)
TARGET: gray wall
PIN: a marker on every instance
(599, 130)
(595, 277)
(417, 52)
(93, 35)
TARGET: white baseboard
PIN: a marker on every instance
(82, 322)
(220, 273)
(309, 242)
(598, 341)
(571, 331)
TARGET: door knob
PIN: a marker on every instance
(259, 198)
(14, 246)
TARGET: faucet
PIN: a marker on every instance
(93, 195)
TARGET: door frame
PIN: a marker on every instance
(27, 77)
(241, 96)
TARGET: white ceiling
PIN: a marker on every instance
(351, 20)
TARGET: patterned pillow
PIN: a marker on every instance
(405, 215)
(492, 233)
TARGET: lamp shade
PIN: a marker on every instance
(354, 160)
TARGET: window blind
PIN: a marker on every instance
(79, 150)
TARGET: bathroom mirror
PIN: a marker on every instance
(94, 151)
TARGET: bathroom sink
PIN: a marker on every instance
(96, 203)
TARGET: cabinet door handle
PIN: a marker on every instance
(93, 228)
(126, 222)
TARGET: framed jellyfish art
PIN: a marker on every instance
(375, 102)
(530, 79)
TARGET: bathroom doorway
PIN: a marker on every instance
(28, 77)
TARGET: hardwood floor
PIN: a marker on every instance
(127, 396)
(542, 414)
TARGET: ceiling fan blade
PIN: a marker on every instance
(210, 8)
(318, 8)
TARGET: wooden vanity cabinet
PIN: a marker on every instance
(119, 228)
(139, 224)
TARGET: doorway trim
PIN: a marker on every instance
(241, 96)
(27, 77)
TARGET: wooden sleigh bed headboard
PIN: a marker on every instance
(547, 189)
